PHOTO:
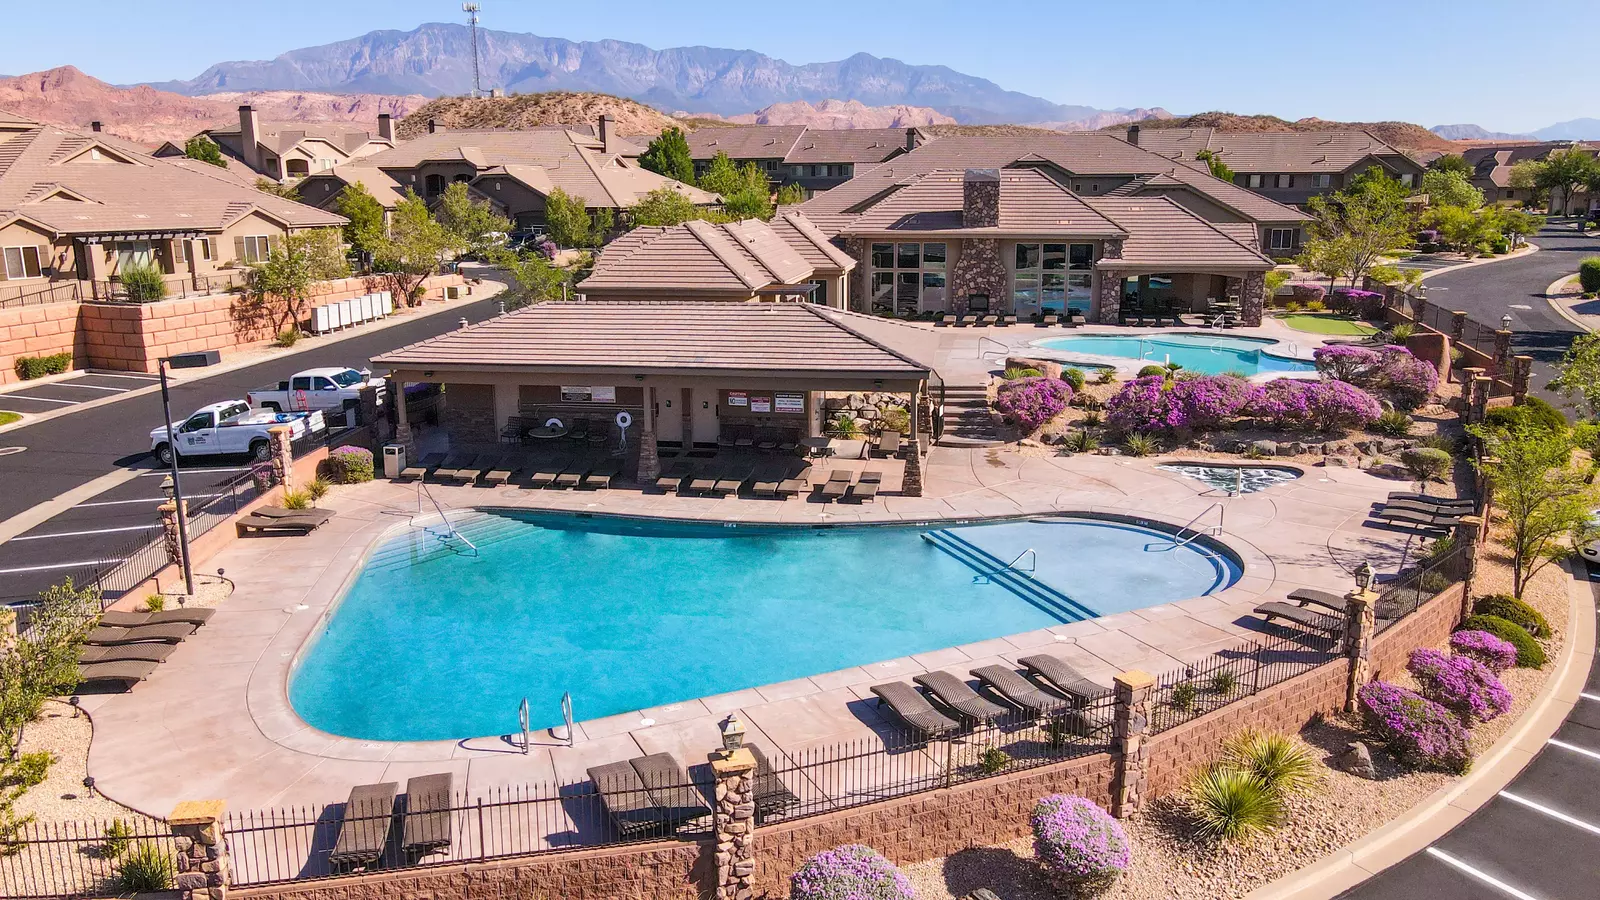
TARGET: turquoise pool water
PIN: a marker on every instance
(1204, 353)
(627, 614)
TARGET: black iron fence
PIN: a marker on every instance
(1230, 675)
(55, 292)
(1414, 587)
(93, 858)
(178, 288)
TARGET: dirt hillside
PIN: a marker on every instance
(1403, 135)
(528, 110)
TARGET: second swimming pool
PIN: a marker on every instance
(1204, 353)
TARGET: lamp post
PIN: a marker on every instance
(181, 361)
(1364, 577)
(1505, 322)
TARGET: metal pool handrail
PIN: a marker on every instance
(1222, 515)
(1012, 566)
(422, 489)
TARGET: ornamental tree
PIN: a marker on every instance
(1353, 228)
(569, 221)
(1451, 162)
(278, 288)
(668, 154)
(664, 206)
(1564, 173)
(205, 150)
(1578, 374)
(1450, 188)
(364, 231)
(470, 223)
(412, 249)
(536, 279)
(1544, 498)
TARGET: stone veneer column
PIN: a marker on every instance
(1482, 387)
(1253, 299)
(1360, 624)
(170, 536)
(1458, 326)
(1521, 370)
(911, 481)
(1467, 535)
(649, 458)
(1502, 352)
(978, 270)
(202, 852)
(860, 299)
(735, 823)
(282, 456)
(1129, 751)
(1110, 306)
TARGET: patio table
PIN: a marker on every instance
(817, 446)
(546, 432)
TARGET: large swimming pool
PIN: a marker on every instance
(1204, 353)
(430, 643)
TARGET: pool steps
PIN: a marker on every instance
(1017, 582)
(434, 542)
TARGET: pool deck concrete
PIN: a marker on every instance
(215, 722)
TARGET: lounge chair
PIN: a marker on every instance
(1019, 691)
(126, 674)
(117, 619)
(704, 482)
(1440, 521)
(627, 801)
(282, 512)
(766, 441)
(601, 475)
(915, 710)
(767, 480)
(1326, 599)
(428, 824)
(481, 468)
(1049, 321)
(364, 825)
(945, 319)
(171, 633)
(501, 474)
(466, 473)
(732, 480)
(794, 486)
(770, 794)
(1431, 500)
(420, 470)
(572, 475)
(966, 320)
(545, 475)
(989, 320)
(674, 476)
(671, 789)
(145, 652)
(1063, 677)
(866, 487)
(1301, 616)
(1431, 509)
(838, 482)
(310, 521)
(959, 696)
(447, 470)
(788, 442)
(1008, 320)
(889, 443)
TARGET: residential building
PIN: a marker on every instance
(1492, 164)
(81, 206)
(1038, 223)
(814, 158)
(785, 259)
(285, 151)
(1287, 166)
(514, 171)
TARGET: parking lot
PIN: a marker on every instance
(54, 395)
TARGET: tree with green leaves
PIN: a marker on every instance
(568, 221)
(1543, 497)
(664, 206)
(1213, 161)
(791, 194)
(1578, 374)
(412, 249)
(1450, 188)
(1352, 229)
(536, 279)
(472, 224)
(1565, 173)
(1451, 162)
(205, 150)
(364, 231)
(1515, 224)
(1525, 176)
(278, 288)
(746, 192)
(285, 191)
(668, 154)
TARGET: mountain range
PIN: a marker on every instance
(435, 59)
(1571, 130)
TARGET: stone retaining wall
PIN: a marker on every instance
(37, 331)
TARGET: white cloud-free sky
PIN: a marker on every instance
(1425, 61)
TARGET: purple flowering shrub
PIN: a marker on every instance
(1028, 403)
(1077, 840)
(1459, 683)
(1153, 403)
(1418, 731)
(1210, 401)
(851, 872)
(1364, 304)
(1306, 293)
(1409, 381)
(1484, 647)
(349, 465)
(1346, 362)
(1144, 404)
(1320, 405)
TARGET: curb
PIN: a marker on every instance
(1553, 292)
(1532, 249)
(1447, 807)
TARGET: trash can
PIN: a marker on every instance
(394, 460)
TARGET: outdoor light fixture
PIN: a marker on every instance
(1505, 322)
(638, 378)
(732, 733)
(1364, 576)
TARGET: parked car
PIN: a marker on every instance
(329, 389)
(232, 427)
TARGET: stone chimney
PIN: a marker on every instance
(249, 137)
(980, 198)
(433, 126)
(385, 126)
(912, 139)
(95, 126)
(602, 130)
(1133, 134)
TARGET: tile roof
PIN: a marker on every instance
(741, 257)
(645, 337)
(281, 137)
(1031, 202)
(380, 184)
(49, 175)
(1494, 163)
(1162, 233)
(798, 143)
(810, 242)
(1270, 151)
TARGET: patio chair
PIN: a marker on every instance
(1008, 320)
(502, 474)
(117, 619)
(481, 468)
(795, 484)
(1305, 618)
(171, 633)
(124, 674)
(704, 481)
(1074, 318)
(627, 801)
(788, 442)
(671, 789)
(1049, 321)
(146, 652)
(914, 709)
(733, 479)
(744, 438)
(725, 438)
(766, 440)
(421, 469)
(1437, 521)
(767, 480)
(1063, 677)
(1431, 509)
(428, 826)
(545, 475)
(573, 474)
(1325, 599)
(866, 487)
(989, 320)
(945, 319)
(889, 443)
(673, 477)
(959, 697)
(364, 825)
(301, 524)
(447, 470)
(838, 482)
(1462, 503)
(770, 795)
(1019, 691)
(514, 430)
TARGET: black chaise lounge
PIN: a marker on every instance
(1433, 500)
(1019, 691)
(572, 475)
(959, 697)
(420, 470)
(302, 521)
(1305, 618)
(1063, 677)
(674, 477)
(116, 619)
(364, 825)
(171, 633)
(732, 480)
(772, 797)
(1428, 509)
(545, 475)
(503, 473)
(866, 487)
(428, 826)
(601, 475)
(447, 469)
(703, 482)
(670, 788)
(627, 801)
(915, 710)
(145, 652)
(1442, 521)
(767, 480)
(838, 483)
(126, 674)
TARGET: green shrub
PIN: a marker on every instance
(1316, 305)
(1440, 547)
(1091, 419)
(1106, 376)
(1224, 682)
(1515, 611)
(1393, 423)
(299, 499)
(993, 760)
(1426, 464)
(115, 837)
(30, 367)
(1183, 696)
(145, 868)
(143, 283)
(1529, 654)
(348, 465)
(1448, 443)
(1139, 444)
(1285, 765)
(287, 337)
(895, 418)
(1402, 333)
(155, 603)
(1014, 372)
(1081, 442)
(28, 770)
(318, 488)
(1073, 377)
(844, 425)
(1589, 274)
(1230, 804)
(1293, 306)
(1147, 371)
(1531, 412)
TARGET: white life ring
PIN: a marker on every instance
(553, 422)
(624, 419)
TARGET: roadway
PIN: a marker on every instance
(1538, 839)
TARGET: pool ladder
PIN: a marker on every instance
(1033, 565)
(1212, 530)
(450, 529)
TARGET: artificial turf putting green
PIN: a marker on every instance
(1327, 323)
(6, 418)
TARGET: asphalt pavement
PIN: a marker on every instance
(1538, 839)
(52, 396)
(1516, 287)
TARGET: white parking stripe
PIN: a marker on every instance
(192, 471)
(1484, 877)
(157, 500)
(1554, 814)
(70, 565)
(40, 399)
(62, 534)
(1573, 747)
(146, 378)
(1589, 696)
(93, 387)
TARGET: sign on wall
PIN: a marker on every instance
(790, 403)
(588, 394)
(738, 398)
(761, 404)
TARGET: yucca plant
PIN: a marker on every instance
(1183, 696)
(1393, 423)
(1229, 804)
(1091, 419)
(1285, 765)
(298, 499)
(1139, 444)
(1224, 682)
(1081, 442)
(145, 868)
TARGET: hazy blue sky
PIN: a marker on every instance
(1424, 61)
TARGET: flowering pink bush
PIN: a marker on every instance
(1484, 647)
(1365, 304)
(1306, 293)
(349, 465)
(1460, 683)
(1409, 381)
(1346, 362)
(1209, 401)
(1322, 405)
(1028, 403)
(1418, 731)
(851, 872)
(1152, 403)
(1077, 840)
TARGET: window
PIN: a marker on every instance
(1053, 277)
(1282, 238)
(300, 383)
(1322, 181)
(433, 184)
(203, 248)
(256, 248)
(1406, 179)
(133, 253)
(908, 278)
(22, 262)
(1254, 181)
(198, 422)
(348, 378)
(1284, 181)
(180, 251)
(324, 164)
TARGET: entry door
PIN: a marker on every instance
(704, 410)
(686, 403)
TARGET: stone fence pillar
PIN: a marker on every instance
(735, 773)
(1467, 536)
(202, 852)
(282, 456)
(1521, 369)
(911, 481)
(1502, 352)
(1360, 625)
(1478, 407)
(1458, 326)
(170, 536)
(1130, 755)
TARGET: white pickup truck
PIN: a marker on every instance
(326, 389)
(231, 427)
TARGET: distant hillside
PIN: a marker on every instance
(986, 130)
(1107, 119)
(839, 114)
(528, 110)
(1475, 133)
(1574, 130)
(1404, 135)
